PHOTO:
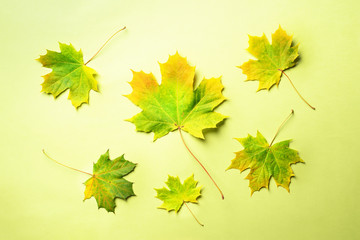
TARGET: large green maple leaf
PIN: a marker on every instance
(107, 182)
(272, 59)
(174, 197)
(174, 104)
(69, 72)
(265, 162)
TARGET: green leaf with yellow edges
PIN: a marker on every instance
(68, 72)
(174, 103)
(178, 193)
(272, 59)
(265, 162)
(107, 182)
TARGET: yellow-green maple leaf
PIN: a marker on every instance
(265, 162)
(69, 72)
(272, 59)
(174, 197)
(174, 103)
(107, 182)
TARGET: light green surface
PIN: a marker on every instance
(42, 200)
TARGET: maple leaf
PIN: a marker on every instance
(174, 104)
(107, 182)
(69, 72)
(179, 194)
(265, 162)
(272, 59)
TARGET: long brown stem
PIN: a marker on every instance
(282, 124)
(296, 89)
(193, 214)
(64, 164)
(104, 45)
(182, 138)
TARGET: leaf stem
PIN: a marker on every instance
(296, 89)
(64, 164)
(282, 124)
(104, 45)
(193, 214)
(182, 138)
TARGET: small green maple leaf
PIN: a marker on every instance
(69, 72)
(174, 104)
(272, 59)
(177, 194)
(265, 162)
(107, 182)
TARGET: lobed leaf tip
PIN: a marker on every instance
(260, 88)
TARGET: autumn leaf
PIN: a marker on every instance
(107, 180)
(174, 104)
(273, 59)
(69, 72)
(178, 194)
(265, 161)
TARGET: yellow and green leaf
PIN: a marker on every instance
(265, 162)
(177, 193)
(272, 58)
(68, 72)
(174, 103)
(107, 182)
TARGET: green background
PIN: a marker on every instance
(42, 200)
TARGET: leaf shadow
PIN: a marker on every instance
(299, 58)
